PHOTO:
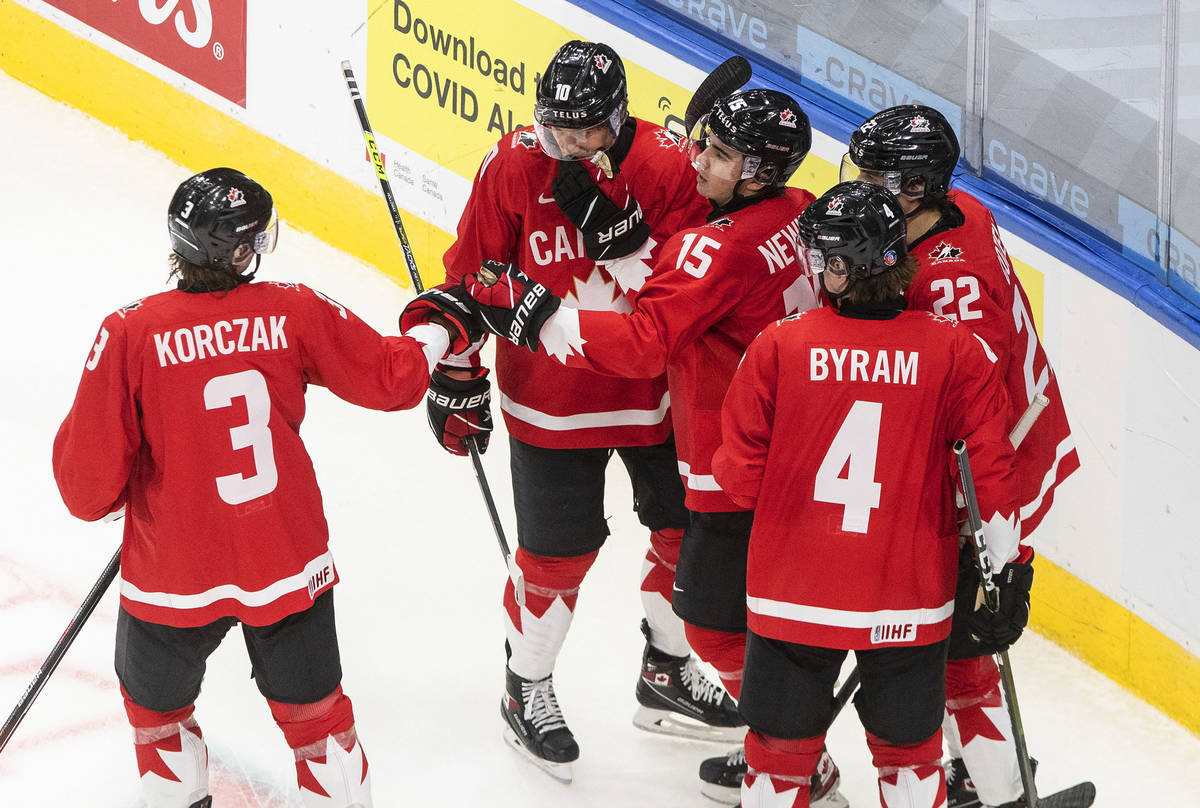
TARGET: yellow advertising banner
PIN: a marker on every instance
(448, 80)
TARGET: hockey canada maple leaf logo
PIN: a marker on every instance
(236, 198)
(527, 139)
(668, 139)
(603, 63)
(724, 223)
(835, 206)
(787, 118)
(946, 252)
(128, 307)
(919, 123)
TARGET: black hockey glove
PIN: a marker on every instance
(509, 303)
(460, 408)
(609, 231)
(448, 306)
(996, 632)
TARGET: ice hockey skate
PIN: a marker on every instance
(204, 803)
(535, 726)
(721, 780)
(675, 697)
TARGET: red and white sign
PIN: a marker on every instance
(204, 40)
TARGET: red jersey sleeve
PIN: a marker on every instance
(747, 421)
(95, 447)
(357, 364)
(490, 225)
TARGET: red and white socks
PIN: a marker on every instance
(331, 769)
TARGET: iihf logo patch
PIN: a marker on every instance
(787, 118)
(603, 63)
(236, 197)
(835, 206)
(919, 124)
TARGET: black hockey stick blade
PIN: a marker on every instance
(1077, 796)
(725, 78)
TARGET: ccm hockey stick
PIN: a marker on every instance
(991, 601)
(725, 78)
(60, 648)
(1016, 437)
(410, 262)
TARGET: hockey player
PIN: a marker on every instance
(582, 201)
(715, 287)
(837, 430)
(965, 274)
(187, 417)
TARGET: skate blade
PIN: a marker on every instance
(665, 722)
(726, 795)
(562, 772)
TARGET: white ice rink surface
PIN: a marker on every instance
(82, 232)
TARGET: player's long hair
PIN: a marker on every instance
(885, 287)
(194, 278)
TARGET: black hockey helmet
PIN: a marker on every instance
(583, 86)
(766, 126)
(216, 211)
(910, 146)
(855, 229)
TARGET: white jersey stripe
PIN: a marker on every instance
(698, 482)
(586, 420)
(1062, 451)
(259, 597)
(846, 619)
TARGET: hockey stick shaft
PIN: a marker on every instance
(1016, 438)
(991, 598)
(410, 263)
(60, 649)
(725, 78)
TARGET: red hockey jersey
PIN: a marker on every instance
(837, 432)
(714, 289)
(966, 275)
(188, 415)
(511, 216)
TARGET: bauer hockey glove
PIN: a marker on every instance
(459, 408)
(996, 632)
(447, 306)
(509, 303)
(609, 232)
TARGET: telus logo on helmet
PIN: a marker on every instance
(208, 43)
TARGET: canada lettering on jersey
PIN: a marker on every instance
(858, 365)
(545, 253)
(222, 338)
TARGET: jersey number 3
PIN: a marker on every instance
(256, 434)
(855, 448)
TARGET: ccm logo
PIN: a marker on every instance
(201, 11)
(622, 227)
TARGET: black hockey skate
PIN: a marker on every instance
(535, 726)
(960, 791)
(676, 698)
(721, 780)
(204, 803)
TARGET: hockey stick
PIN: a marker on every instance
(991, 601)
(60, 648)
(725, 78)
(410, 262)
(1016, 437)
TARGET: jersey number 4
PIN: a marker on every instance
(255, 434)
(855, 449)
